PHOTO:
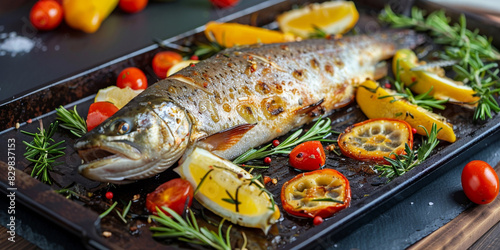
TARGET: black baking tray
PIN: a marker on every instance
(370, 192)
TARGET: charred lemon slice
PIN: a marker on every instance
(119, 97)
(368, 94)
(228, 190)
(420, 82)
(373, 139)
(334, 17)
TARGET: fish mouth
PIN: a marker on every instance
(115, 162)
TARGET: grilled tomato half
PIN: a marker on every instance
(318, 193)
(173, 194)
(373, 139)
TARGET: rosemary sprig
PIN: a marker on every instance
(42, 153)
(424, 100)
(111, 208)
(318, 132)
(467, 47)
(404, 163)
(72, 121)
(206, 50)
(188, 230)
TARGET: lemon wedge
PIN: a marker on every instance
(180, 65)
(119, 97)
(335, 17)
(231, 34)
(228, 190)
(367, 96)
(443, 87)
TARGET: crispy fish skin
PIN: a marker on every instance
(234, 101)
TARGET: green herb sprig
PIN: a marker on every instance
(467, 47)
(43, 151)
(72, 121)
(318, 132)
(404, 163)
(188, 230)
(424, 100)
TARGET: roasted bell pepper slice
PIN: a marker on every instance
(87, 15)
(317, 193)
(373, 139)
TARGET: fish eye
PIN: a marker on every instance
(123, 127)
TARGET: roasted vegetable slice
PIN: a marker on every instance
(375, 102)
(373, 139)
(317, 193)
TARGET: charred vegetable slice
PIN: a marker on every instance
(373, 139)
(317, 193)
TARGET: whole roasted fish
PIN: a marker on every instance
(233, 101)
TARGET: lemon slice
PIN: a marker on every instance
(367, 97)
(231, 34)
(335, 17)
(443, 87)
(119, 97)
(180, 65)
(227, 190)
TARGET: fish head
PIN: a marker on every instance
(139, 141)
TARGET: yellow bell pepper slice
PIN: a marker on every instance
(367, 96)
(87, 15)
(421, 81)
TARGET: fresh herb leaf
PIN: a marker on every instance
(467, 47)
(72, 121)
(188, 230)
(108, 210)
(42, 152)
(318, 132)
(405, 162)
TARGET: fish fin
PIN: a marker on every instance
(309, 108)
(227, 138)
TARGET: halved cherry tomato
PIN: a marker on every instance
(373, 139)
(132, 6)
(46, 15)
(132, 77)
(224, 3)
(318, 193)
(172, 194)
(99, 112)
(308, 156)
(163, 61)
(480, 182)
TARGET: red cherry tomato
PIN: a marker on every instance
(109, 195)
(308, 156)
(224, 3)
(163, 61)
(132, 6)
(480, 182)
(46, 15)
(99, 112)
(172, 194)
(132, 77)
